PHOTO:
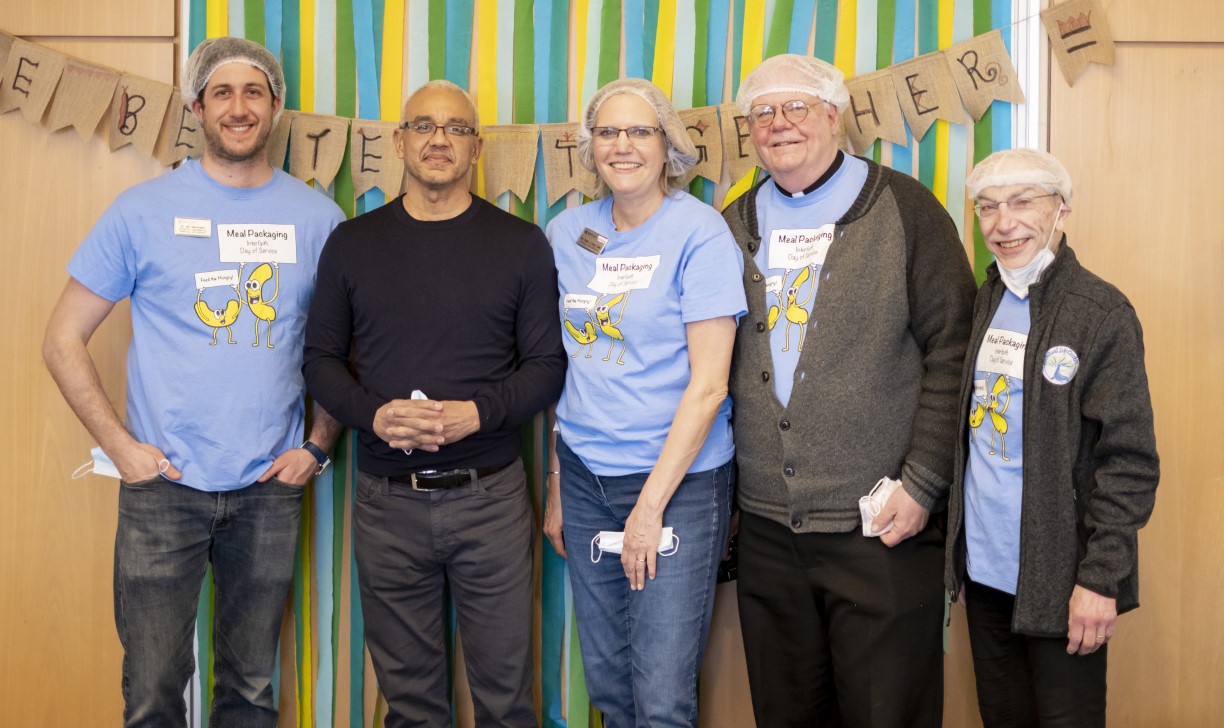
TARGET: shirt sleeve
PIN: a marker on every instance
(105, 262)
(329, 333)
(537, 381)
(711, 272)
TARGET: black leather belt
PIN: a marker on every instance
(430, 480)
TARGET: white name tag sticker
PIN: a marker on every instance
(192, 227)
(617, 275)
(257, 243)
(790, 249)
(979, 388)
(773, 284)
(579, 300)
(1002, 352)
(214, 278)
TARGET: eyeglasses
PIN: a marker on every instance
(794, 110)
(635, 134)
(428, 128)
(1018, 205)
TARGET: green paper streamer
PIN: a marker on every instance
(609, 42)
(779, 31)
(437, 39)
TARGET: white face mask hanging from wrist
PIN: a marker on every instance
(1019, 279)
(613, 542)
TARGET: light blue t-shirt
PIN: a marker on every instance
(220, 280)
(624, 312)
(795, 235)
(994, 478)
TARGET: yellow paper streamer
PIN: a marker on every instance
(216, 18)
(665, 47)
(943, 131)
(390, 89)
(486, 74)
(752, 50)
(847, 36)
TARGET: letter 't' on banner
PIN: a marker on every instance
(1079, 35)
(316, 147)
(562, 170)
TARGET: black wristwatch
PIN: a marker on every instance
(321, 457)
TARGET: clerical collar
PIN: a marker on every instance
(832, 170)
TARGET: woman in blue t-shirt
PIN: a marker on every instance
(650, 292)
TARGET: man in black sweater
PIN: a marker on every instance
(449, 307)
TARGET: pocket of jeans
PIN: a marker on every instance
(277, 481)
(146, 483)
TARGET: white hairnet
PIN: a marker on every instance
(216, 52)
(1020, 167)
(681, 151)
(795, 74)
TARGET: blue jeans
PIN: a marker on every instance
(167, 535)
(642, 650)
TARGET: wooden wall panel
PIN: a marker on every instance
(60, 661)
(1142, 142)
(90, 18)
(1180, 20)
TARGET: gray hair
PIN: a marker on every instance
(681, 151)
(1020, 167)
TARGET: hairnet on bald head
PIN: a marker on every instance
(1020, 167)
(791, 73)
(216, 52)
(681, 151)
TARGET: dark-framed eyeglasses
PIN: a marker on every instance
(635, 134)
(428, 128)
(1019, 205)
(795, 111)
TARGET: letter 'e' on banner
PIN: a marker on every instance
(874, 112)
(562, 169)
(983, 72)
(1079, 35)
(927, 92)
(510, 159)
(137, 111)
(83, 96)
(316, 147)
(373, 158)
(703, 129)
(182, 134)
(30, 77)
(741, 156)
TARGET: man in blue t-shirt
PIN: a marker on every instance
(218, 259)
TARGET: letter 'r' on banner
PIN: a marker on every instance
(1079, 35)
(983, 73)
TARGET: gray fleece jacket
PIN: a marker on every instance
(1090, 463)
(876, 385)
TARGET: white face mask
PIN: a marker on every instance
(1019, 279)
(613, 542)
(101, 465)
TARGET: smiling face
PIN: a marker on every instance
(439, 161)
(236, 110)
(631, 169)
(1015, 238)
(796, 155)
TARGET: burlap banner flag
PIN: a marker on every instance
(6, 45)
(373, 158)
(562, 170)
(702, 126)
(509, 158)
(741, 156)
(30, 77)
(82, 98)
(278, 140)
(137, 111)
(316, 147)
(182, 135)
(983, 72)
(927, 92)
(1079, 35)
(873, 112)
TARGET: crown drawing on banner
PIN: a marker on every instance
(1075, 24)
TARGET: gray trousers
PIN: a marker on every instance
(408, 546)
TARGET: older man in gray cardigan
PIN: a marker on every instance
(845, 375)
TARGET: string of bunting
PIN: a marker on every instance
(58, 91)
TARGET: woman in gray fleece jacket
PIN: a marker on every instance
(1057, 464)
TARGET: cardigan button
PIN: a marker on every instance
(796, 522)
(756, 277)
(760, 325)
(788, 471)
(784, 425)
(764, 376)
(752, 247)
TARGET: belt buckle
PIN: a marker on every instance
(418, 489)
